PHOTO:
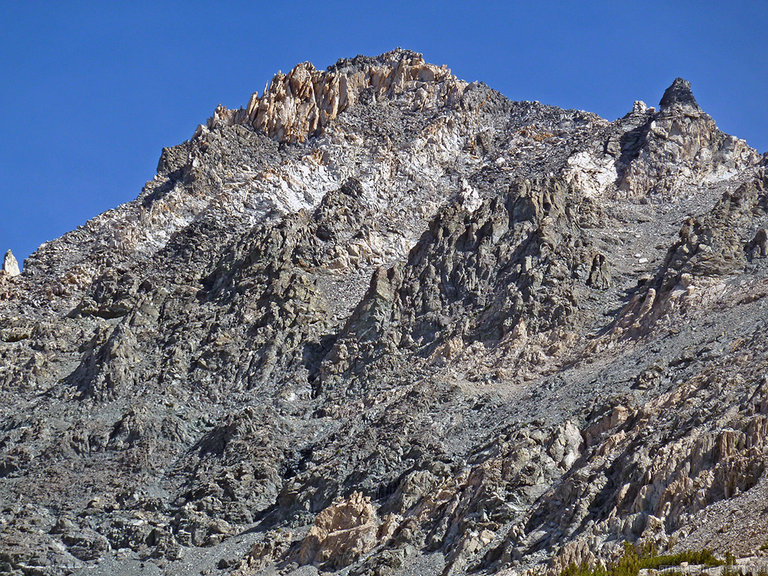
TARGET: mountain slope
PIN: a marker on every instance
(382, 321)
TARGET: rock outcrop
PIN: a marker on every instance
(10, 265)
(342, 533)
(382, 321)
(300, 104)
(679, 147)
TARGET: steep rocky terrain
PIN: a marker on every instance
(381, 321)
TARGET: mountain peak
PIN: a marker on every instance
(679, 93)
(299, 104)
(393, 57)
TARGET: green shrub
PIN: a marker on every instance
(584, 569)
(692, 557)
(631, 562)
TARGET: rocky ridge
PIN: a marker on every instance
(383, 321)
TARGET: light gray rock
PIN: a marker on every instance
(10, 265)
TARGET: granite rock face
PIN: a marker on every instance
(384, 321)
(300, 104)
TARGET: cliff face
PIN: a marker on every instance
(382, 321)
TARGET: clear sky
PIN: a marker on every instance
(91, 91)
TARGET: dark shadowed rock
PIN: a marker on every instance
(679, 93)
(599, 273)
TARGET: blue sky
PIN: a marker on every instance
(91, 92)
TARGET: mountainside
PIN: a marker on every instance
(382, 321)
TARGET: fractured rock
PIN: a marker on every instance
(599, 273)
(680, 94)
(10, 265)
(342, 533)
(679, 146)
(758, 246)
(301, 103)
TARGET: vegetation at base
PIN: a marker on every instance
(632, 561)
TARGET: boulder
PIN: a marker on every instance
(342, 533)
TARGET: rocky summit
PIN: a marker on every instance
(381, 321)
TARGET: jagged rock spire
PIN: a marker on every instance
(679, 93)
(10, 264)
(296, 105)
